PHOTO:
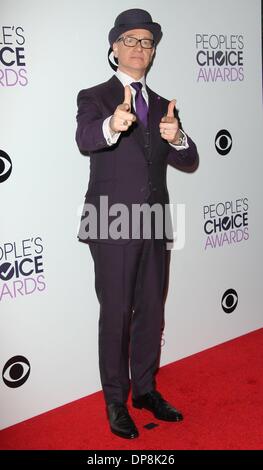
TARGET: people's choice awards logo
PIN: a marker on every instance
(223, 142)
(229, 300)
(16, 371)
(21, 268)
(5, 166)
(219, 57)
(13, 70)
(225, 223)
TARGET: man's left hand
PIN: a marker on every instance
(169, 127)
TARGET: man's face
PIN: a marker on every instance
(134, 60)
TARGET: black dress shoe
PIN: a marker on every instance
(121, 423)
(154, 402)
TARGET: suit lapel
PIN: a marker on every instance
(155, 115)
(115, 92)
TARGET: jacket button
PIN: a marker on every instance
(149, 162)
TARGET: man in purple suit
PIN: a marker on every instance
(130, 134)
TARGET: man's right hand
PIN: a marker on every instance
(122, 118)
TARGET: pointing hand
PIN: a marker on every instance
(122, 118)
(169, 127)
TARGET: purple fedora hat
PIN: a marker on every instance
(134, 19)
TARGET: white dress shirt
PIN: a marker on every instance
(127, 80)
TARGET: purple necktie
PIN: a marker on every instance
(140, 103)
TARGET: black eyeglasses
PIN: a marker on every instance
(130, 41)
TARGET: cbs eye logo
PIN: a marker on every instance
(16, 371)
(5, 166)
(229, 300)
(223, 142)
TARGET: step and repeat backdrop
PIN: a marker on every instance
(209, 59)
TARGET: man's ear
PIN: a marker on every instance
(115, 49)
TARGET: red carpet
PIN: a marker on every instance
(219, 391)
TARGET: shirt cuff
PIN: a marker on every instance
(110, 139)
(184, 145)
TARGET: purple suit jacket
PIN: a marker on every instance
(132, 170)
